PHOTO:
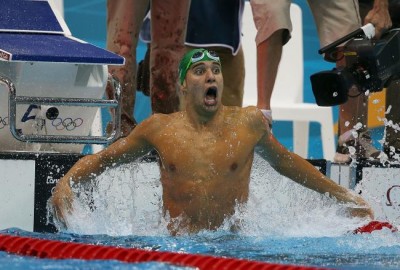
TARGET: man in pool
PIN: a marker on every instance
(206, 153)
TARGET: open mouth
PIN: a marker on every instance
(211, 96)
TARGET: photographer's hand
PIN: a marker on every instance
(379, 16)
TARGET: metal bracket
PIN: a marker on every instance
(14, 100)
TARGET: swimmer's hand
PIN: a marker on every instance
(62, 201)
(361, 212)
(361, 209)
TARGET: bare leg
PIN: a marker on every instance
(353, 114)
(168, 23)
(124, 19)
(269, 54)
(353, 129)
(233, 72)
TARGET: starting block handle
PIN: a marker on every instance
(14, 100)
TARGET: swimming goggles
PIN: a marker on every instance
(206, 55)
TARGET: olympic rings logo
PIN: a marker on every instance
(3, 122)
(67, 123)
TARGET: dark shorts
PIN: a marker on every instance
(212, 23)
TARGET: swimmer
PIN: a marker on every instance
(206, 153)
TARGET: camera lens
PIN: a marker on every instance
(330, 88)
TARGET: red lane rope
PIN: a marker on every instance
(52, 249)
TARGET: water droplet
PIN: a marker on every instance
(375, 101)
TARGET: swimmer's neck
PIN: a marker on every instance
(201, 118)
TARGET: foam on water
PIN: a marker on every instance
(127, 201)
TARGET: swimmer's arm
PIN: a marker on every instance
(304, 173)
(122, 151)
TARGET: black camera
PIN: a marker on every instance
(370, 65)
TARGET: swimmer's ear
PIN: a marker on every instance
(182, 91)
(183, 88)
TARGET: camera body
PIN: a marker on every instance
(370, 65)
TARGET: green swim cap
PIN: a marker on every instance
(194, 56)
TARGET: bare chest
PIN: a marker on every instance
(206, 155)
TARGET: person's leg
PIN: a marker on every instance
(233, 71)
(124, 18)
(353, 130)
(272, 20)
(269, 53)
(353, 115)
(168, 26)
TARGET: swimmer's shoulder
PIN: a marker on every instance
(250, 113)
(164, 119)
(252, 117)
(157, 122)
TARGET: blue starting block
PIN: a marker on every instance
(52, 84)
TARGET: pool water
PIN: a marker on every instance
(8, 262)
(379, 250)
(282, 223)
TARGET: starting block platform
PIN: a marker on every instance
(52, 84)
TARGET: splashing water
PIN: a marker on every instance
(282, 222)
(127, 201)
(124, 201)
